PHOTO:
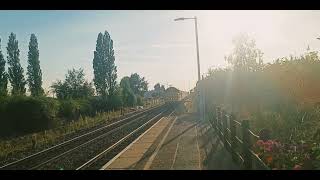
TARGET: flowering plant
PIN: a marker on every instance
(268, 151)
(284, 156)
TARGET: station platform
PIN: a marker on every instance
(176, 142)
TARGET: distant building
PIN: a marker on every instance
(172, 94)
(148, 94)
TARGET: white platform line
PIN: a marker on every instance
(175, 154)
(150, 160)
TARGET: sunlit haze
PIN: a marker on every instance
(151, 43)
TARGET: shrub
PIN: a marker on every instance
(22, 115)
(139, 101)
(114, 102)
(98, 104)
(73, 109)
(69, 110)
(5, 125)
(85, 108)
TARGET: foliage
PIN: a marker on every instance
(105, 71)
(21, 115)
(73, 109)
(74, 86)
(34, 72)
(139, 100)
(128, 97)
(159, 90)
(15, 70)
(138, 85)
(245, 55)
(99, 103)
(282, 96)
(53, 136)
(115, 101)
(3, 75)
(111, 67)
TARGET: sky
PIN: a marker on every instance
(151, 44)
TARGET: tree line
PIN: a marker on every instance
(75, 96)
(131, 89)
(15, 72)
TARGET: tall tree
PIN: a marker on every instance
(34, 72)
(245, 55)
(157, 90)
(162, 89)
(138, 85)
(3, 75)
(105, 71)
(157, 87)
(111, 67)
(99, 67)
(15, 70)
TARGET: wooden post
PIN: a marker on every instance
(246, 144)
(218, 120)
(224, 127)
(233, 134)
(34, 141)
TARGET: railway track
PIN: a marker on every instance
(84, 151)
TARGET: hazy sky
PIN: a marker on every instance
(151, 43)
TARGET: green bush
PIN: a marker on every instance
(114, 102)
(5, 125)
(69, 110)
(73, 109)
(85, 108)
(139, 101)
(22, 115)
(98, 104)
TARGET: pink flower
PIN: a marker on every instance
(269, 148)
(297, 167)
(269, 142)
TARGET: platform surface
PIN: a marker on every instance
(177, 142)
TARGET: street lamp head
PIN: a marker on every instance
(179, 19)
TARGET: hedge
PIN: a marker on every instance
(22, 115)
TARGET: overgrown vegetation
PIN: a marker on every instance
(282, 96)
(76, 97)
(47, 138)
(77, 106)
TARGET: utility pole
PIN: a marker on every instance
(199, 91)
(197, 44)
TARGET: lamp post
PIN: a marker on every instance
(197, 43)
(201, 99)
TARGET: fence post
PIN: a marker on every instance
(216, 119)
(224, 127)
(233, 135)
(246, 144)
(219, 122)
